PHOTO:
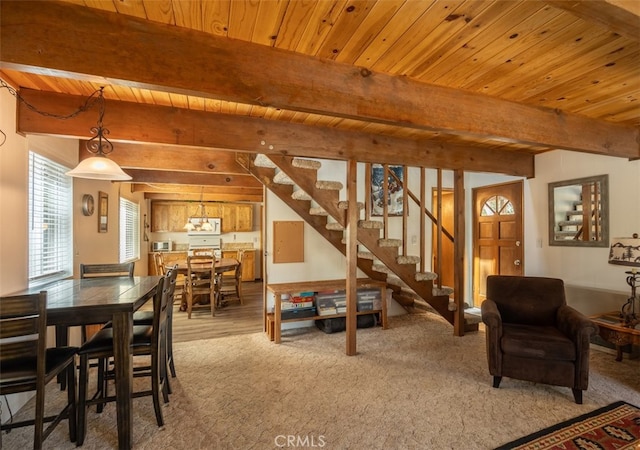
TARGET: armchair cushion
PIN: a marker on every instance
(529, 341)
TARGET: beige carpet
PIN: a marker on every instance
(413, 386)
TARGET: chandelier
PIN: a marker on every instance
(199, 221)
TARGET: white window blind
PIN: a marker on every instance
(50, 221)
(129, 230)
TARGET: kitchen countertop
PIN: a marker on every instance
(237, 246)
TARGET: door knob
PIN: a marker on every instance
(516, 262)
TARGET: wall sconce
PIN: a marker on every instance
(626, 252)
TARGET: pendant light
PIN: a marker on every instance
(200, 221)
(99, 167)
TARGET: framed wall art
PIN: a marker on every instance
(394, 192)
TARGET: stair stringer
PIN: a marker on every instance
(319, 223)
(406, 272)
(306, 180)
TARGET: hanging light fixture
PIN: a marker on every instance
(99, 167)
(200, 221)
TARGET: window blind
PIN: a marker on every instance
(50, 220)
(129, 230)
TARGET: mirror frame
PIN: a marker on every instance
(604, 213)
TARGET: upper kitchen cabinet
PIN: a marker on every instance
(237, 217)
(170, 216)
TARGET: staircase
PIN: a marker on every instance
(295, 182)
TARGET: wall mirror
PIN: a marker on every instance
(579, 212)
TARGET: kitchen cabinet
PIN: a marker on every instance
(170, 216)
(236, 217)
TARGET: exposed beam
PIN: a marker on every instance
(167, 157)
(210, 197)
(194, 179)
(619, 16)
(106, 47)
(131, 122)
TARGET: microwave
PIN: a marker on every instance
(161, 246)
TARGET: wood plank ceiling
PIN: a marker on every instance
(477, 85)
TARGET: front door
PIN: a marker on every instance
(498, 231)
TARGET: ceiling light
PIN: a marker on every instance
(99, 167)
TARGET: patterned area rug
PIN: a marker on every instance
(616, 426)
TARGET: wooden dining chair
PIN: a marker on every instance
(231, 285)
(158, 262)
(147, 319)
(100, 271)
(147, 341)
(26, 364)
(201, 280)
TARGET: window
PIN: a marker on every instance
(499, 205)
(50, 221)
(129, 230)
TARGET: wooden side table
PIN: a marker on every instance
(611, 329)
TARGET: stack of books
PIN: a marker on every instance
(298, 305)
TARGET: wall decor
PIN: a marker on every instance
(394, 190)
(579, 212)
(103, 212)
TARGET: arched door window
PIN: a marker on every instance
(497, 205)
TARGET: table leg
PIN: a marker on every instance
(123, 359)
(62, 340)
(618, 353)
(277, 316)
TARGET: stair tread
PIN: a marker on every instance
(263, 160)
(302, 163)
(329, 185)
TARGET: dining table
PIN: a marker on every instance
(221, 265)
(77, 302)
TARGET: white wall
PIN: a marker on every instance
(581, 266)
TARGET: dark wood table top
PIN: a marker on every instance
(75, 301)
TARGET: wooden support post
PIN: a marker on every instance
(352, 256)
(458, 250)
(423, 207)
(439, 230)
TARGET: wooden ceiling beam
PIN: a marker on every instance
(211, 197)
(194, 179)
(106, 47)
(175, 128)
(156, 156)
(619, 16)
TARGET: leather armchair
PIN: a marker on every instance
(533, 335)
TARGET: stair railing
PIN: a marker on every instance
(420, 202)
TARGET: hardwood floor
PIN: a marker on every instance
(230, 320)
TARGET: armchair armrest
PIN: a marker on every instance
(574, 324)
(493, 322)
(490, 315)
